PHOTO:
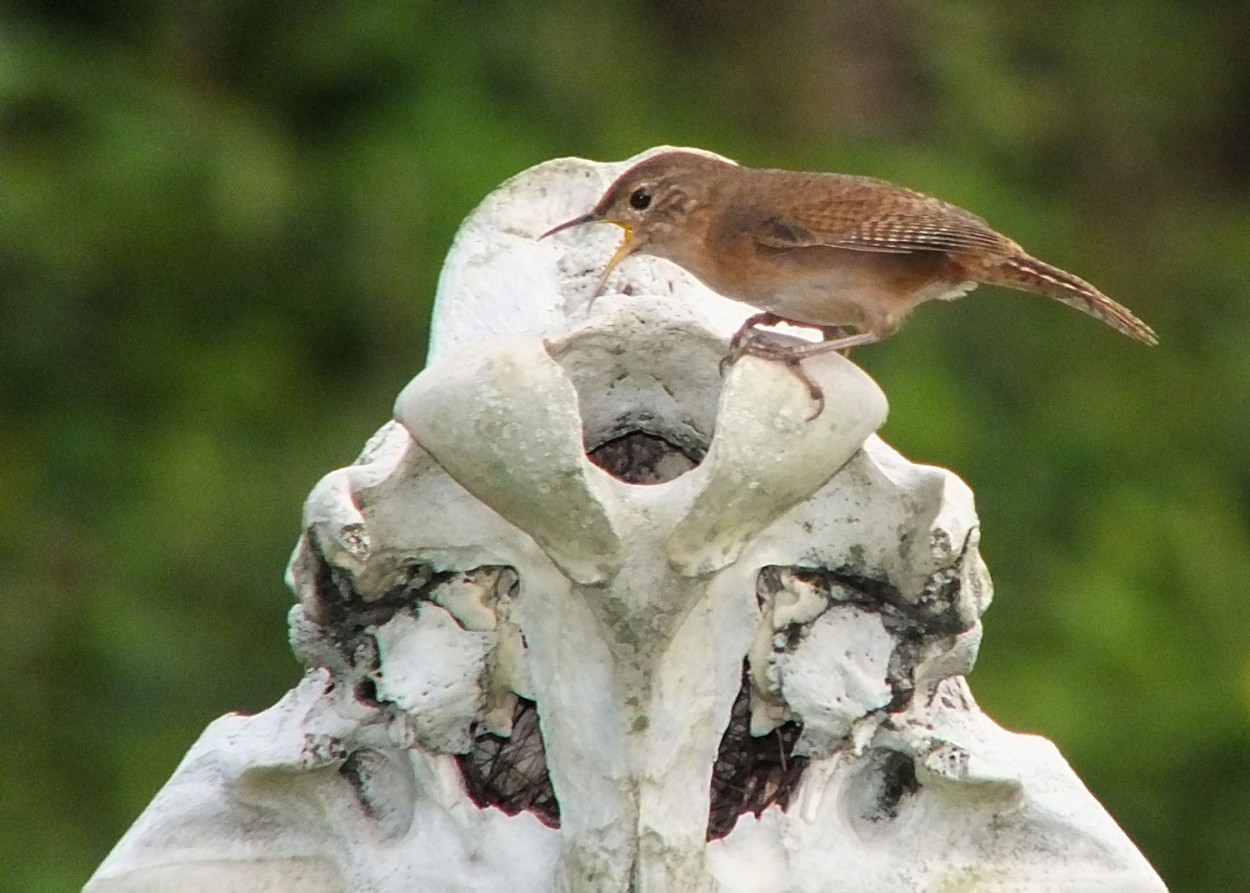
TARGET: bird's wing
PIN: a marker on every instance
(875, 216)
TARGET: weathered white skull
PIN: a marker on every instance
(588, 617)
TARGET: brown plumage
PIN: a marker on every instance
(826, 250)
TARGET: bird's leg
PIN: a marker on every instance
(832, 333)
(792, 355)
(746, 333)
(843, 342)
(750, 327)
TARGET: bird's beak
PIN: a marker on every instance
(576, 221)
(627, 248)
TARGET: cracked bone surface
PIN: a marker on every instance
(588, 617)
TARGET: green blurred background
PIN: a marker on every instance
(220, 228)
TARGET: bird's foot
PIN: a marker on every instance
(778, 349)
(770, 347)
(750, 329)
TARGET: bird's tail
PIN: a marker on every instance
(1029, 274)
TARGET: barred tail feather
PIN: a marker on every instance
(1029, 274)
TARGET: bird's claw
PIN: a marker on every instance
(749, 340)
(748, 332)
(760, 345)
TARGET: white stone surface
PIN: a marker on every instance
(473, 555)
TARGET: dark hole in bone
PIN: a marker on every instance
(511, 773)
(366, 692)
(641, 458)
(898, 781)
(752, 774)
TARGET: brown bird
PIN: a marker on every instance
(831, 251)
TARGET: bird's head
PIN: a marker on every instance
(652, 202)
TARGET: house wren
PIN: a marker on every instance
(831, 251)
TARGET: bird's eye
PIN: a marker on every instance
(640, 200)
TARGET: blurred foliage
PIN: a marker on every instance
(220, 229)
